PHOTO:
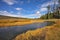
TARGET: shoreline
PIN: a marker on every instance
(18, 23)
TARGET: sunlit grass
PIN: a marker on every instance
(12, 22)
(47, 33)
(15, 22)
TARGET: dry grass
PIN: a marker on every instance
(46, 33)
(12, 22)
(15, 22)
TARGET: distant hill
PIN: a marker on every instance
(9, 17)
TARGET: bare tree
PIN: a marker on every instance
(48, 7)
(59, 6)
(54, 8)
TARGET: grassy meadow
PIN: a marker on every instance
(15, 22)
(47, 33)
(11, 22)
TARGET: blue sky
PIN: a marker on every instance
(24, 8)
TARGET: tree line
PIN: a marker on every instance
(54, 12)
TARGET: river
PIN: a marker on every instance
(8, 33)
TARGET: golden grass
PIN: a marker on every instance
(15, 22)
(47, 33)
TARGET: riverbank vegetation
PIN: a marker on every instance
(17, 22)
(47, 33)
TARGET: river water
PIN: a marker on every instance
(8, 33)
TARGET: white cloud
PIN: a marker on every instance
(18, 13)
(35, 15)
(43, 9)
(38, 13)
(18, 8)
(48, 3)
(10, 2)
(6, 13)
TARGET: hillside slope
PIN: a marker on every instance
(46, 33)
(12, 21)
(9, 17)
